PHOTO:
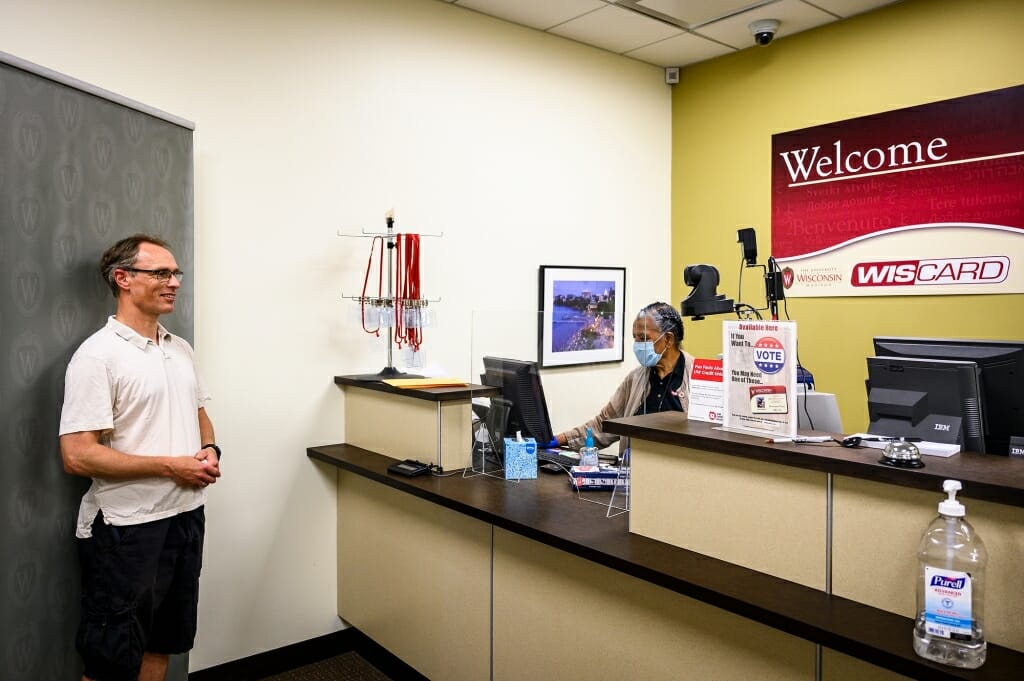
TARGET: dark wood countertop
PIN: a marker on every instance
(984, 476)
(547, 511)
(465, 392)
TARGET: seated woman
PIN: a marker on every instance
(660, 383)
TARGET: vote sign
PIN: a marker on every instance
(769, 355)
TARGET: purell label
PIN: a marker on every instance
(948, 582)
(947, 611)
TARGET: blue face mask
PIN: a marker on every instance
(645, 354)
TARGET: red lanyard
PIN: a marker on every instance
(407, 286)
(366, 280)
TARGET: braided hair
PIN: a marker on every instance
(666, 318)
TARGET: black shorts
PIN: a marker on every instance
(140, 589)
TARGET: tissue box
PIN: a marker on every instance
(599, 478)
(520, 458)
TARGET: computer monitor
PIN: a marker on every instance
(934, 399)
(1001, 364)
(521, 388)
(817, 411)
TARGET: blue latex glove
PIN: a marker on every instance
(551, 445)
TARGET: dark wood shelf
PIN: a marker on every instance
(452, 394)
(985, 476)
(546, 510)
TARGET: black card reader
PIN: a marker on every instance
(409, 468)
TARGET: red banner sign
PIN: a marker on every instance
(923, 200)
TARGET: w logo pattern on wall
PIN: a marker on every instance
(77, 172)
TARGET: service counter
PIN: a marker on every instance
(431, 425)
(722, 570)
(822, 515)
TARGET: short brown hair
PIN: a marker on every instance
(123, 255)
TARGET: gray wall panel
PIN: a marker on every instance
(77, 172)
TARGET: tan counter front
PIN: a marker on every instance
(476, 578)
(824, 516)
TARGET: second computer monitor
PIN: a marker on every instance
(1001, 366)
(521, 388)
(933, 399)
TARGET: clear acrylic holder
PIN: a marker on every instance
(487, 450)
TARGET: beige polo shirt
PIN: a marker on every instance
(144, 397)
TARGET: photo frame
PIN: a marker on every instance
(581, 318)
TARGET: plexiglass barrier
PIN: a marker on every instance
(518, 397)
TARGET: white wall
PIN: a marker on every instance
(317, 116)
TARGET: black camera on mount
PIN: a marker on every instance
(704, 299)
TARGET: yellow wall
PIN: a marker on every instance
(725, 112)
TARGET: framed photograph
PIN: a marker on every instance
(581, 315)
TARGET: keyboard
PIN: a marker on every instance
(562, 457)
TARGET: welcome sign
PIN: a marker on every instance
(927, 200)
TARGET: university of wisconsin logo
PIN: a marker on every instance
(29, 138)
(25, 436)
(26, 358)
(161, 218)
(162, 160)
(23, 651)
(28, 213)
(66, 316)
(68, 175)
(133, 126)
(65, 248)
(103, 216)
(69, 109)
(24, 506)
(134, 185)
(27, 287)
(103, 149)
(787, 277)
(184, 308)
(22, 580)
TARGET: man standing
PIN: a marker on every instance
(134, 421)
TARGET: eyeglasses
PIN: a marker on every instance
(159, 275)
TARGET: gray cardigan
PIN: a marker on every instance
(625, 401)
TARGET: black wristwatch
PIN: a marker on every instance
(214, 448)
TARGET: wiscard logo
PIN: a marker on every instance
(948, 582)
(981, 270)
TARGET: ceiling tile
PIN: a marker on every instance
(680, 50)
(542, 14)
(693, 12)
(794, 15)
(847, 8)
(616, 29)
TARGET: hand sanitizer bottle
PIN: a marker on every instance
(588, 454)
(949, 626)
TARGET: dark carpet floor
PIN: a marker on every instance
(347, 667)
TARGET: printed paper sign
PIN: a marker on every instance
(759, 375)
(927, 200)
(707, 393)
